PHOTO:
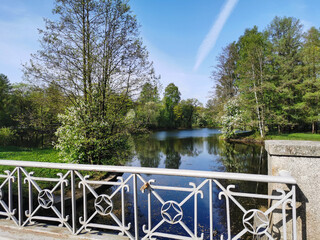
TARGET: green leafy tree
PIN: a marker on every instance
(35, 112)
(225, 77)
(185, 112)
(93, 51)
(285, 35)
(149, 93)
(310, 87)
(5, 101)
(171, 99)
(251, 67)
(92, 47)
(148, 107)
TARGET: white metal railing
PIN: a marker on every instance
(23, 187)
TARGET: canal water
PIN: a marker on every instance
(196, 149)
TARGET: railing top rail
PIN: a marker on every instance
(156, 171)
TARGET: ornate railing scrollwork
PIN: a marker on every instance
(75, 201)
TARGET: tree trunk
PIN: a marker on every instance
(257, 105)
(314, 128)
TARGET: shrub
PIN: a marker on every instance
(89, 135)
(7, 136)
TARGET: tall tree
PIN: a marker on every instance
(252, 76)
(310, 87)
(285, 35)
(149, 93)
(94, 53)
(4, 100)
(171, 99)
(224, 76)
(93, 48)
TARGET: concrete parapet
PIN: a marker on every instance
(9, 231)
(302, 160)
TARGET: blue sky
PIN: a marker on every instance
(183, 37)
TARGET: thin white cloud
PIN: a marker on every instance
(211, 38)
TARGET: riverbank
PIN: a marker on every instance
(254, 138)
(38, 155)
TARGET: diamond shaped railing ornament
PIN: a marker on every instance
(171, 212)
(45, 198)
(103, 204)
(256, 222)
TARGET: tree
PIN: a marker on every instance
(184, 112)
(171, 99)
(35, 112)
(94, 53)
(310, 87)
(94, 47)
(233, 119)
(149, 93)
(225, 77)
(5, 89)
(252, 65)
(225, 74)
(285, 35)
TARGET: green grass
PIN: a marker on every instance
(38, 155)
(31, 154)
(294, 136)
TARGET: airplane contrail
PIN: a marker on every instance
(211, 38)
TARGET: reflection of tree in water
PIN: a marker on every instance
(173, 158)
(191, 147)
(148, 151)
(237, 157)
(213, 143)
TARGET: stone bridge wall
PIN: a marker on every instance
(301, 159)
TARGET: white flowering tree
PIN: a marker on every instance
(232, 119)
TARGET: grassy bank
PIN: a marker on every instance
(254, 137)
(294, 136)
(31, 154)
(38, 155)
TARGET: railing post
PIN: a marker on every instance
(10, 192)
(294, 213)
(30, 197)
(210, 209)
(73, 202)
(20, 197)
(135, 204)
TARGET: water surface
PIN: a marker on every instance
(197, 149)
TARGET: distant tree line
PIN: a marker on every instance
(268, 81)
(29, 114)
(33, 115)
(170, 112)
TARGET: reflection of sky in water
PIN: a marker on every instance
(199, 149)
